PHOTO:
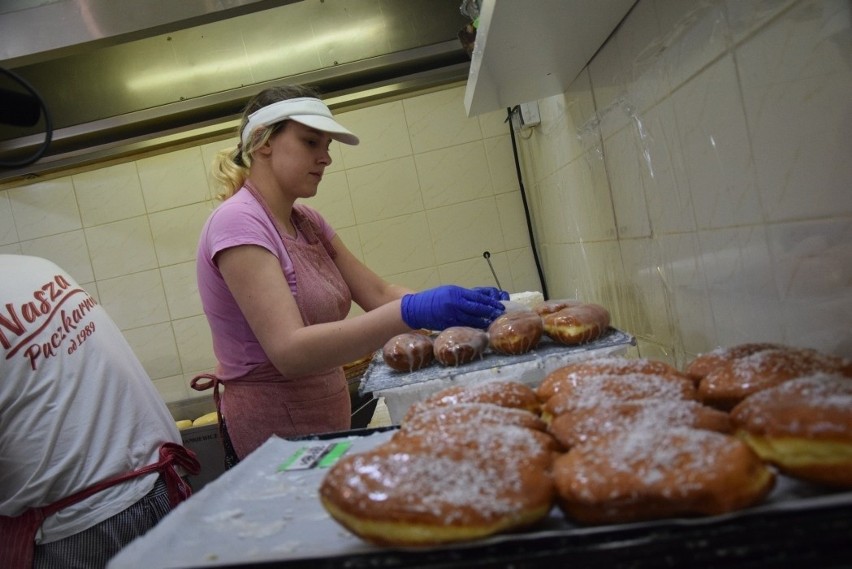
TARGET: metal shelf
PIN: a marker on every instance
(527, 50)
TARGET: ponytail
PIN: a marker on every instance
(230, 171)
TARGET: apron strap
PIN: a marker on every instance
(312, 233)
(17, 539)
(17, 534)
(213, 383)
(302, 223)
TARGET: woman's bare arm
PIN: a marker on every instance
(254, 276)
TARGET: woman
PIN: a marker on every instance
(276, 282)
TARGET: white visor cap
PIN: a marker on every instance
(305, 110)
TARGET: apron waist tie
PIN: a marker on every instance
(17, 534)
(212, 382)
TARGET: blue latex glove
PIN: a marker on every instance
(492, 292)
(450, 305)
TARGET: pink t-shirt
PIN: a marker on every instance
(240, 220)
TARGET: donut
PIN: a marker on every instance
(516, 332)
(462, 485)
(408, 352)
(476, 415)
(649, 474)
(459, 345)
(531, 445)
(509, 394)
(581, 425)
(708, 361)
(732, 382)
(803, 427)
(551, 306)
(608, 365)
(577, 324)
(600, 390)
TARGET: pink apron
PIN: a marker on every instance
(263, 402)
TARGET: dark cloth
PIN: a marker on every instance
(94, 547)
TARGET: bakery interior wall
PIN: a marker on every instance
(419, 200)
(695, 179)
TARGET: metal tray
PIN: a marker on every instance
(380, 378)
(255, 515)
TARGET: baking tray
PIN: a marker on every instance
(380, 378)
(401, 390)
(258, 516)
(807, 539)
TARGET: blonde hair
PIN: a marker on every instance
(231, 165)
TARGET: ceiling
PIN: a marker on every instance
(120, 77)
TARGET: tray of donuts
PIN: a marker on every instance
(521, 335)
(609, 445)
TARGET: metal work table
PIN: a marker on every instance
(256, 515)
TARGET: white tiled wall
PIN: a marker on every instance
(697, 176)
(696, 179)
(426, 192)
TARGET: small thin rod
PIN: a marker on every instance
(487, 256)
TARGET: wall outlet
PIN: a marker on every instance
(529, 115)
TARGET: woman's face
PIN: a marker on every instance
(298, 157)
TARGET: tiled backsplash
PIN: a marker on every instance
(696, 179)
(697, 176)
(426, 192)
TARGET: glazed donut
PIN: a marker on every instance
(609, 365)
(510, 394)
(576, 324)
(648, 474)
(460, 486)
(551, 306)
(600, 390)
(408, 352)
(473, 414)
(581, 425)
(729, 384)
(516, 332)
(459, 345)
(803, 427)
(709, 361)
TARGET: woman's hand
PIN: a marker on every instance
(450, 305)
(492, 292)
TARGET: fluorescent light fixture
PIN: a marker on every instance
(156, 80)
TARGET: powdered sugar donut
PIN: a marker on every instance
(509, 394)
(712, 360)
(583, 424)
(454, 485)
(531, 445)
(478, 414)
(609, 365)
(648, 474)
(735, 380)
(803, 427)
(600, 390)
